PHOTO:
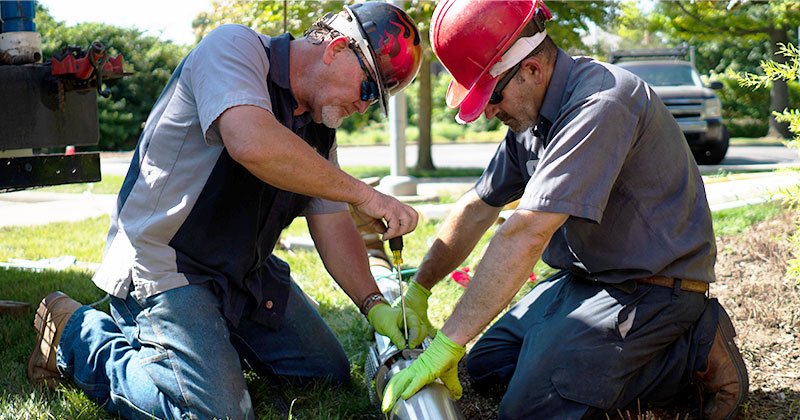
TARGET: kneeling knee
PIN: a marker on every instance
(513, 406)
(338, 369)
(341, 375)
(487, 376)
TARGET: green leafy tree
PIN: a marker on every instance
(268, 17)
(572, 20)
(787, 69)
(151, 61)
(734, 33)
(422, 111)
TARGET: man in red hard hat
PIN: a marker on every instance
(240, 142)
(609, 195)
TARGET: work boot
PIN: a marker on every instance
(53, 313)
(723, 383)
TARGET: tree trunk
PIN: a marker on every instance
(424, 157)
(779, 94)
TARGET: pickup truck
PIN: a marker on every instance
(695, 106)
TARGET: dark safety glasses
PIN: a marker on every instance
(497, 93)
(370, 92)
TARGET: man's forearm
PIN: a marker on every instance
(462, 229)
(343, 252)
(276, 155)
(501, 272)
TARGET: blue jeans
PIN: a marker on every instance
(574, 348)
(174, 355)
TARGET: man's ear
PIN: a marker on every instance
(335, 46)
(533, 67)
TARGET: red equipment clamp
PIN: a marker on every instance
(73, 63)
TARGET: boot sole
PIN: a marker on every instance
(727, 331)
(35, 361)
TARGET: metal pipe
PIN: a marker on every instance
(384, 360)
(24, 58)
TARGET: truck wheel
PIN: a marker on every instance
(714, 154)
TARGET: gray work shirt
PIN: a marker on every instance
(186, 210)
(608, 153)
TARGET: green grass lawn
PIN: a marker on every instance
(109, 184)
(86, 240)
(756, 141)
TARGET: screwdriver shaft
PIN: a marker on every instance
(396, 245)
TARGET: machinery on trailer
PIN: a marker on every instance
(50, 105)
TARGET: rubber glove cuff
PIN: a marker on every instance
(444, 348)
(415, 289)
(416, 297)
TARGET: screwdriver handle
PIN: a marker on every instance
(396, 243)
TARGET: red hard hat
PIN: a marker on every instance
(470, 37)
(387, 36)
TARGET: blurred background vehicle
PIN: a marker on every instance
(694, 105)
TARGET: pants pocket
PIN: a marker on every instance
(581, 382)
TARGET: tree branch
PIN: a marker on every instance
(703, 23)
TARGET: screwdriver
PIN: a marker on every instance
(396, 245)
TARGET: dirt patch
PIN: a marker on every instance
(765, 309)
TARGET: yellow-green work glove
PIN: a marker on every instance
(416, 298)
(440, 360)
(388, 320)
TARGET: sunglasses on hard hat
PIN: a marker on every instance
(370, 92)
(497, 93)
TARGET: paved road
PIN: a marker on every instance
(479, 155)
(756, 155)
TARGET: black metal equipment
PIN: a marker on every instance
(43, 109)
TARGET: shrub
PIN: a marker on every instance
(788, 71)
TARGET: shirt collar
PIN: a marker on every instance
(279, 73)
(557, 86)
(279, 60)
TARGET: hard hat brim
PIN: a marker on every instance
(471, 101)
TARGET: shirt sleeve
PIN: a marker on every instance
(581, 163)
(321, 205)
(228, 68)
(502, 182)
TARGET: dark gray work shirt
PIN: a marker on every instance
(608, 153)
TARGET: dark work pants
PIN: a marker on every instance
(574, 348)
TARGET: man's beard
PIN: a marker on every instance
(332, 116)
(514, 124)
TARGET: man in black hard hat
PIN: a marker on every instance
(240, 143)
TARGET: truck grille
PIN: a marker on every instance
(684, 108)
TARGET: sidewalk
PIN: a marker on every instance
(24, 208)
